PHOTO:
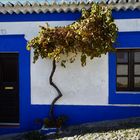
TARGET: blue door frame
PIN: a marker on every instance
(17, 43)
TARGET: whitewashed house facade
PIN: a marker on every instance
(107, 88)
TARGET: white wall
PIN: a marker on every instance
(30, 29)
(80, 86)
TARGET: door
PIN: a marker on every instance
(9, 88)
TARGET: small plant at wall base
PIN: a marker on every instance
(91, 36)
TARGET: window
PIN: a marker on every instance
(128, 70)
(124, 70)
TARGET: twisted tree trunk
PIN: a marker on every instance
(51, 113)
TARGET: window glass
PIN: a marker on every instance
(122, 69)
(137, 82)
(137, 69)
(137, 56)
(122, 57)
(128, 70)
(122, 82)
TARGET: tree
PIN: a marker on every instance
(92, 35)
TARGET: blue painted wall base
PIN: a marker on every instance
(76, 114)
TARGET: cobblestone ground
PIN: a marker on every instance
(128, 134)
(127, 129)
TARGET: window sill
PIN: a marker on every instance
(127, 92)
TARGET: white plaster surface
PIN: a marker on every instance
(80, 86)
(30, 29)
(128, 25)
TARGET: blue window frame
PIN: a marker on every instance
(126, 40)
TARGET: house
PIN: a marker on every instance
(107, 88)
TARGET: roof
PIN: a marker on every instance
(30, 6)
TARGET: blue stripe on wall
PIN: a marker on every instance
(128, 40)
(129, 14)
(76, 115)
(40, 17)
